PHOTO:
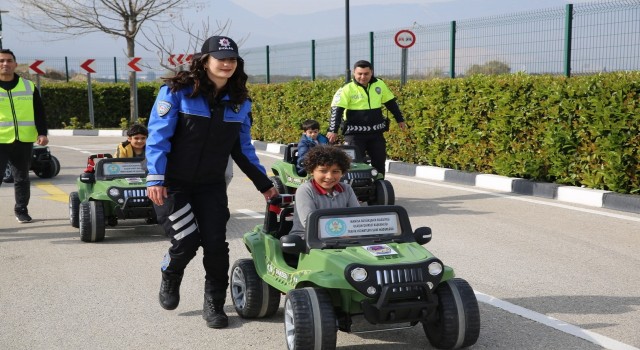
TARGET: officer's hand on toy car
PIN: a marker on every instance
(272, 192)
(42, 140)
(157, 194)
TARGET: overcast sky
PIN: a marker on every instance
(269, 22)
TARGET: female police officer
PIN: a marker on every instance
(200, 117)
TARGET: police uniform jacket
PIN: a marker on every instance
(190, 140)
(359, 107)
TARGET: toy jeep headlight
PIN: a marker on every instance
(114, 192)
(359, 274)
(435, 268)
(374, 172)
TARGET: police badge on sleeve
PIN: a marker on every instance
(163, 108)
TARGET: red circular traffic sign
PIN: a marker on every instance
(405, 38)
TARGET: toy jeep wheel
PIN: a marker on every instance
(385, 195)
(277, 183)
(74, 209)
(251, 296)
(457, 320)
(302, 308)
(50, 170)
(91, 221)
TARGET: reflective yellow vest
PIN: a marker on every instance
(363, 106)
(17, 117)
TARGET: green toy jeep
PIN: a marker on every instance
(369, 185)
(363, 261)
(108, 190)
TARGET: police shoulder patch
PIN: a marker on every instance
(378, 90)
(163, 108)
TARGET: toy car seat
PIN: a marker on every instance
(278, 220)
(91, 164)
(291, 153)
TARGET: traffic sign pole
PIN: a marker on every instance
(403, 67)
(86, 65)
(135, 69)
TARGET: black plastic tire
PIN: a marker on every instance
(91, 221)
(385, 195)
(74, 209)
(51, 169)
(252, 297)
(56, 164)
(277, 183)
(457, 322)
(301, 308)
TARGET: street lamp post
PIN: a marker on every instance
(1, 12)
(347, 36)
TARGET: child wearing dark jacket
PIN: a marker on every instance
(311, 137)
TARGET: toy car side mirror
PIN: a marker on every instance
(292, 244)
(422, 235)
(87, 178)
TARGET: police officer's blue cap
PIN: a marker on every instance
(220, 47)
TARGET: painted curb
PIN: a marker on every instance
(64, 132)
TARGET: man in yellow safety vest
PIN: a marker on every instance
(22, 122)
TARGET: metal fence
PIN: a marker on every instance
(575, 39)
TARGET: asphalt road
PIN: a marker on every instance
(547, 275)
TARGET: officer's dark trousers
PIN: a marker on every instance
(194, 216)
(374, 145)
(19, 153)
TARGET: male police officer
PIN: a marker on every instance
(22, 122)
(358, 104)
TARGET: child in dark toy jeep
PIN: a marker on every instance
(326, 164)
(311, 137)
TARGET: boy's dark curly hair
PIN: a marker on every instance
(326, 155)
(137, 129)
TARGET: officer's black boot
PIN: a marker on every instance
(170, 291)
(213, 312)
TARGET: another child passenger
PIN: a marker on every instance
(326, 164)
(135, 144)
(311, 137)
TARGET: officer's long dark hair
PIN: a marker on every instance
(197, 76)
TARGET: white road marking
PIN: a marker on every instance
(252, 214)
(562, 326)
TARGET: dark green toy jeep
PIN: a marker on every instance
(368, 184)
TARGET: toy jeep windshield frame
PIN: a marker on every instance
(343, 227)
(118, 168)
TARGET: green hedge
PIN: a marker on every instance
(110, 102)
(582, 130)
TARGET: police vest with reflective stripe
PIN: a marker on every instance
(16, 113)
(363, 106)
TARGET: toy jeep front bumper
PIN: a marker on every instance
(388, 309)
(397, 293)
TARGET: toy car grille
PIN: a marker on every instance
(402, 275)
(139, 196)
(350, 175)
